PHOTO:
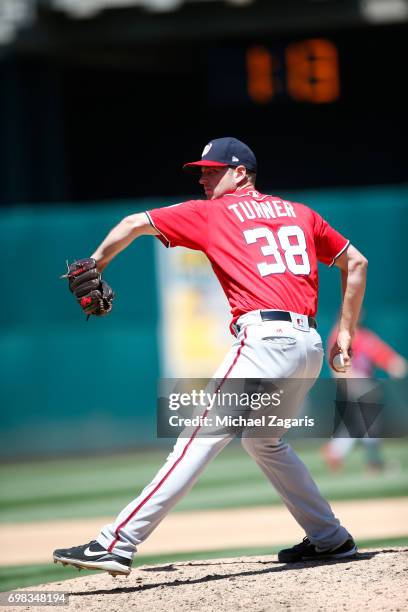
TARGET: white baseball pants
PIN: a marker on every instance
(269, 349)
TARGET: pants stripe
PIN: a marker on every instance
(183, 454)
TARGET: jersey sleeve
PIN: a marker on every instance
(184, 224)
(330, 244)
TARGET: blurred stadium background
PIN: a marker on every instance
(101, 102)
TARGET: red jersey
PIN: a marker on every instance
(264, 250)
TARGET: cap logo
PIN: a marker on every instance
(207, 149)
(235, 159)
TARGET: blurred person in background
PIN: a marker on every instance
(370, 352)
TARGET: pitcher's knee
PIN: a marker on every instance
(254, 446)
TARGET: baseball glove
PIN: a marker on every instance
(92, 293)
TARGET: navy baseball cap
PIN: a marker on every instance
(225, 152)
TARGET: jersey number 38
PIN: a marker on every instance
(291, 240)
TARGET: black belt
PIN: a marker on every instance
(282, 315)
(278, 315)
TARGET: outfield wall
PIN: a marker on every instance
(71, 386)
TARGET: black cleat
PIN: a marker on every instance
(93, 556)
(306, 551)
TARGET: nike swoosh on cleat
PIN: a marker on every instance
(90, 553)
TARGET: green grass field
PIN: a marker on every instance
(101, 486)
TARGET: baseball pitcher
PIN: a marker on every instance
(264, 251)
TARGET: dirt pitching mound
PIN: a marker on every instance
(377, 579)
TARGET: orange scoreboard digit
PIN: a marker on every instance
(306, 71)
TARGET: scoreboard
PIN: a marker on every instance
(345, 67)
(306, 70)
(320, 108)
